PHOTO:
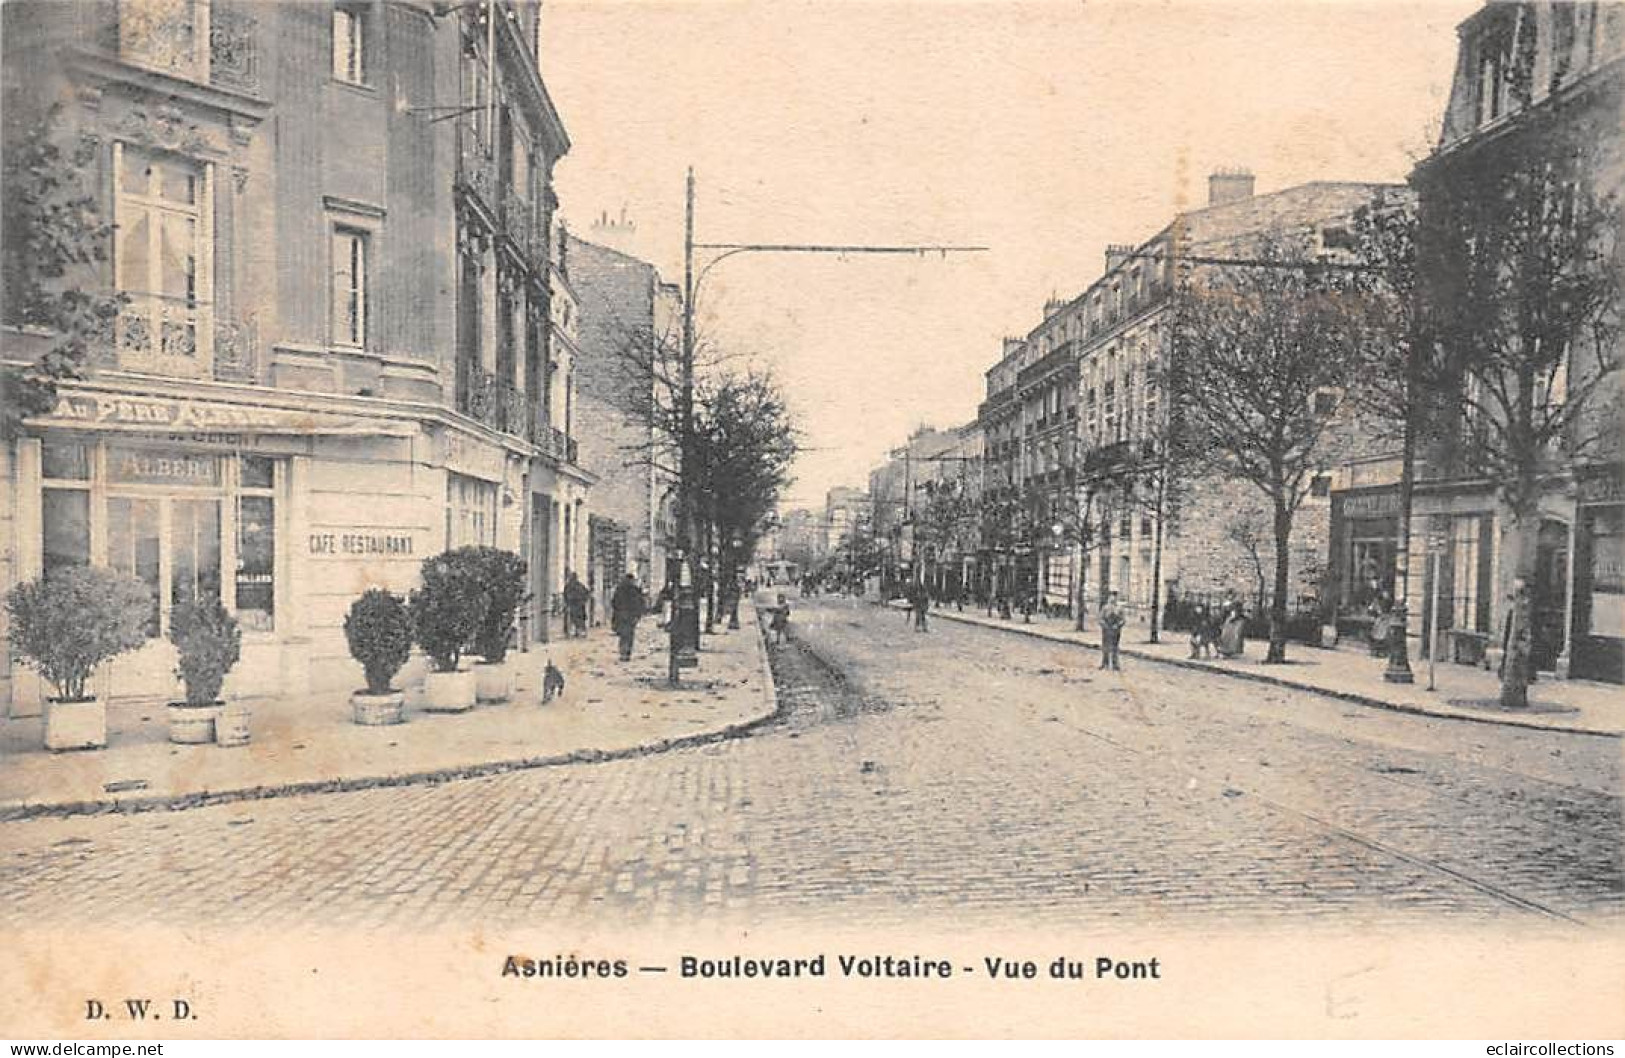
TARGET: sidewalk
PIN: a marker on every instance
(1464, 693)
(608, 710)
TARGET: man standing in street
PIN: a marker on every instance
(576, 596)
(626, 607)
(920, 600)
(1111, 631)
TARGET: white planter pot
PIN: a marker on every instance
(493, 681)
(192, 725)
(1328, 636)
(378, 710)
(75, 725)
(449, 692)
(231, 726)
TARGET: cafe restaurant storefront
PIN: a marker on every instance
(285, 513)
(1364, 543)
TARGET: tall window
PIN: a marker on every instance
(1464, 570)
(349, 43)
(471, 511)
(162, 255)
(349, 287)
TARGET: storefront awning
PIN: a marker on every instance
(165, 415)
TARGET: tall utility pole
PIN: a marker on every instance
(685, 621)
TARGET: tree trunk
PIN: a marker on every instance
(1516, 623)
(1283, 562)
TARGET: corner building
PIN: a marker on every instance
(333, 360)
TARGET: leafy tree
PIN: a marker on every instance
(53, 239)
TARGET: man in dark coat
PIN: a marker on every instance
(1111, 631)
(626, 607)
(576, 597)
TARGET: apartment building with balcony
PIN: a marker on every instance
(1075, 418)
(330, 234)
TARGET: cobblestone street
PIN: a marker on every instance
(963, 775)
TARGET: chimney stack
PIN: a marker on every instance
(1116, 254)
(1229, 185)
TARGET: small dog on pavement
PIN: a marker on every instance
(552, 683)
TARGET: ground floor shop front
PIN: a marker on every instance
(284, 507)
(1461, 579)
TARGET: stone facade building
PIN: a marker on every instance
(330, 229)
(628, 317)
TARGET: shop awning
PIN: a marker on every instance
(123, 413)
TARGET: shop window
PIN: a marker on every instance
(168, 518)
(1470, 547)
(256, 544)
(135, 546)
(162, 257)
(65, 504)
(1605, 603)
(66, 517)
(471, 511)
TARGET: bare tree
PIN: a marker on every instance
(1260, 351)
(1247, 531)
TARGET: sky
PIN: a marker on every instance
(1043, 131)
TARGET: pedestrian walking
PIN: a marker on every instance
(1204, 632)
(1233, 627)
(626, 608)
(1111, 631)
(779, 620)
(576, 597)
(920, 600)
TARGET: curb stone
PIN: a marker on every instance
(432, 777)
(1353, 697)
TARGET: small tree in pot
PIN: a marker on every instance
(378, 629)
(446, 613)
(65, 625)
(502, 574)
(208, 643)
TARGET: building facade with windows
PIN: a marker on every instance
(330, 235)
(1536, 108)
(629, 319)
(1075, 420)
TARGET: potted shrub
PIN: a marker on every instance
(446, 613)
(65, 625)
(502, 575)
(208, 643)
(378, 629)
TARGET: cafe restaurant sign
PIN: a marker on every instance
(108, 411)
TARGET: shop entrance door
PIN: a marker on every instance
(1550, 595)
(172, 544)
(541, 518)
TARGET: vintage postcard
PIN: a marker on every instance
(866, 519)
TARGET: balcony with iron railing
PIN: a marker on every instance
(522, 224)
(506, 408)
(497, 403)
